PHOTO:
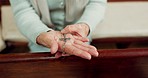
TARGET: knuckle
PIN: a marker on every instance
(68, 35)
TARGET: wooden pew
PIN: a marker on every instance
(123, 63)
(127, 63)
(109, 53)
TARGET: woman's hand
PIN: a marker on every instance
(80, 29)
(77, 47)
(74, 46)
(49, 40)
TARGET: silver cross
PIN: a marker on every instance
(64, 39)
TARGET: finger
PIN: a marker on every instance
(58, 55)
(66, 30)
(84, 39)
(90, 49)
(65, 54)
(54, 47)
(84, 44)
(73, 30)
(77, 52)
(86, 49)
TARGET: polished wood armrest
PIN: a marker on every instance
(127, 63)
(110, 53)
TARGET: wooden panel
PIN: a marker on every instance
(4, 2)
(41, 66)
(110, 53)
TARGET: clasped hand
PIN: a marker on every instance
(75, 45)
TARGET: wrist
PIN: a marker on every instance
(87, 28)
(38, 37)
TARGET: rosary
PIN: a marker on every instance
(65, 40)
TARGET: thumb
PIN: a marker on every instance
(65, 30)
(54, 47)
(73, 32)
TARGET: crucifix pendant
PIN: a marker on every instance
(64, 39)
(63, 46)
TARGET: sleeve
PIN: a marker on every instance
(93, 13)
(27, 20)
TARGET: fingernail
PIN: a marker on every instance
(53, 52)
(88, 57)
(93, 52)
(88, 39)
(97, 53)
